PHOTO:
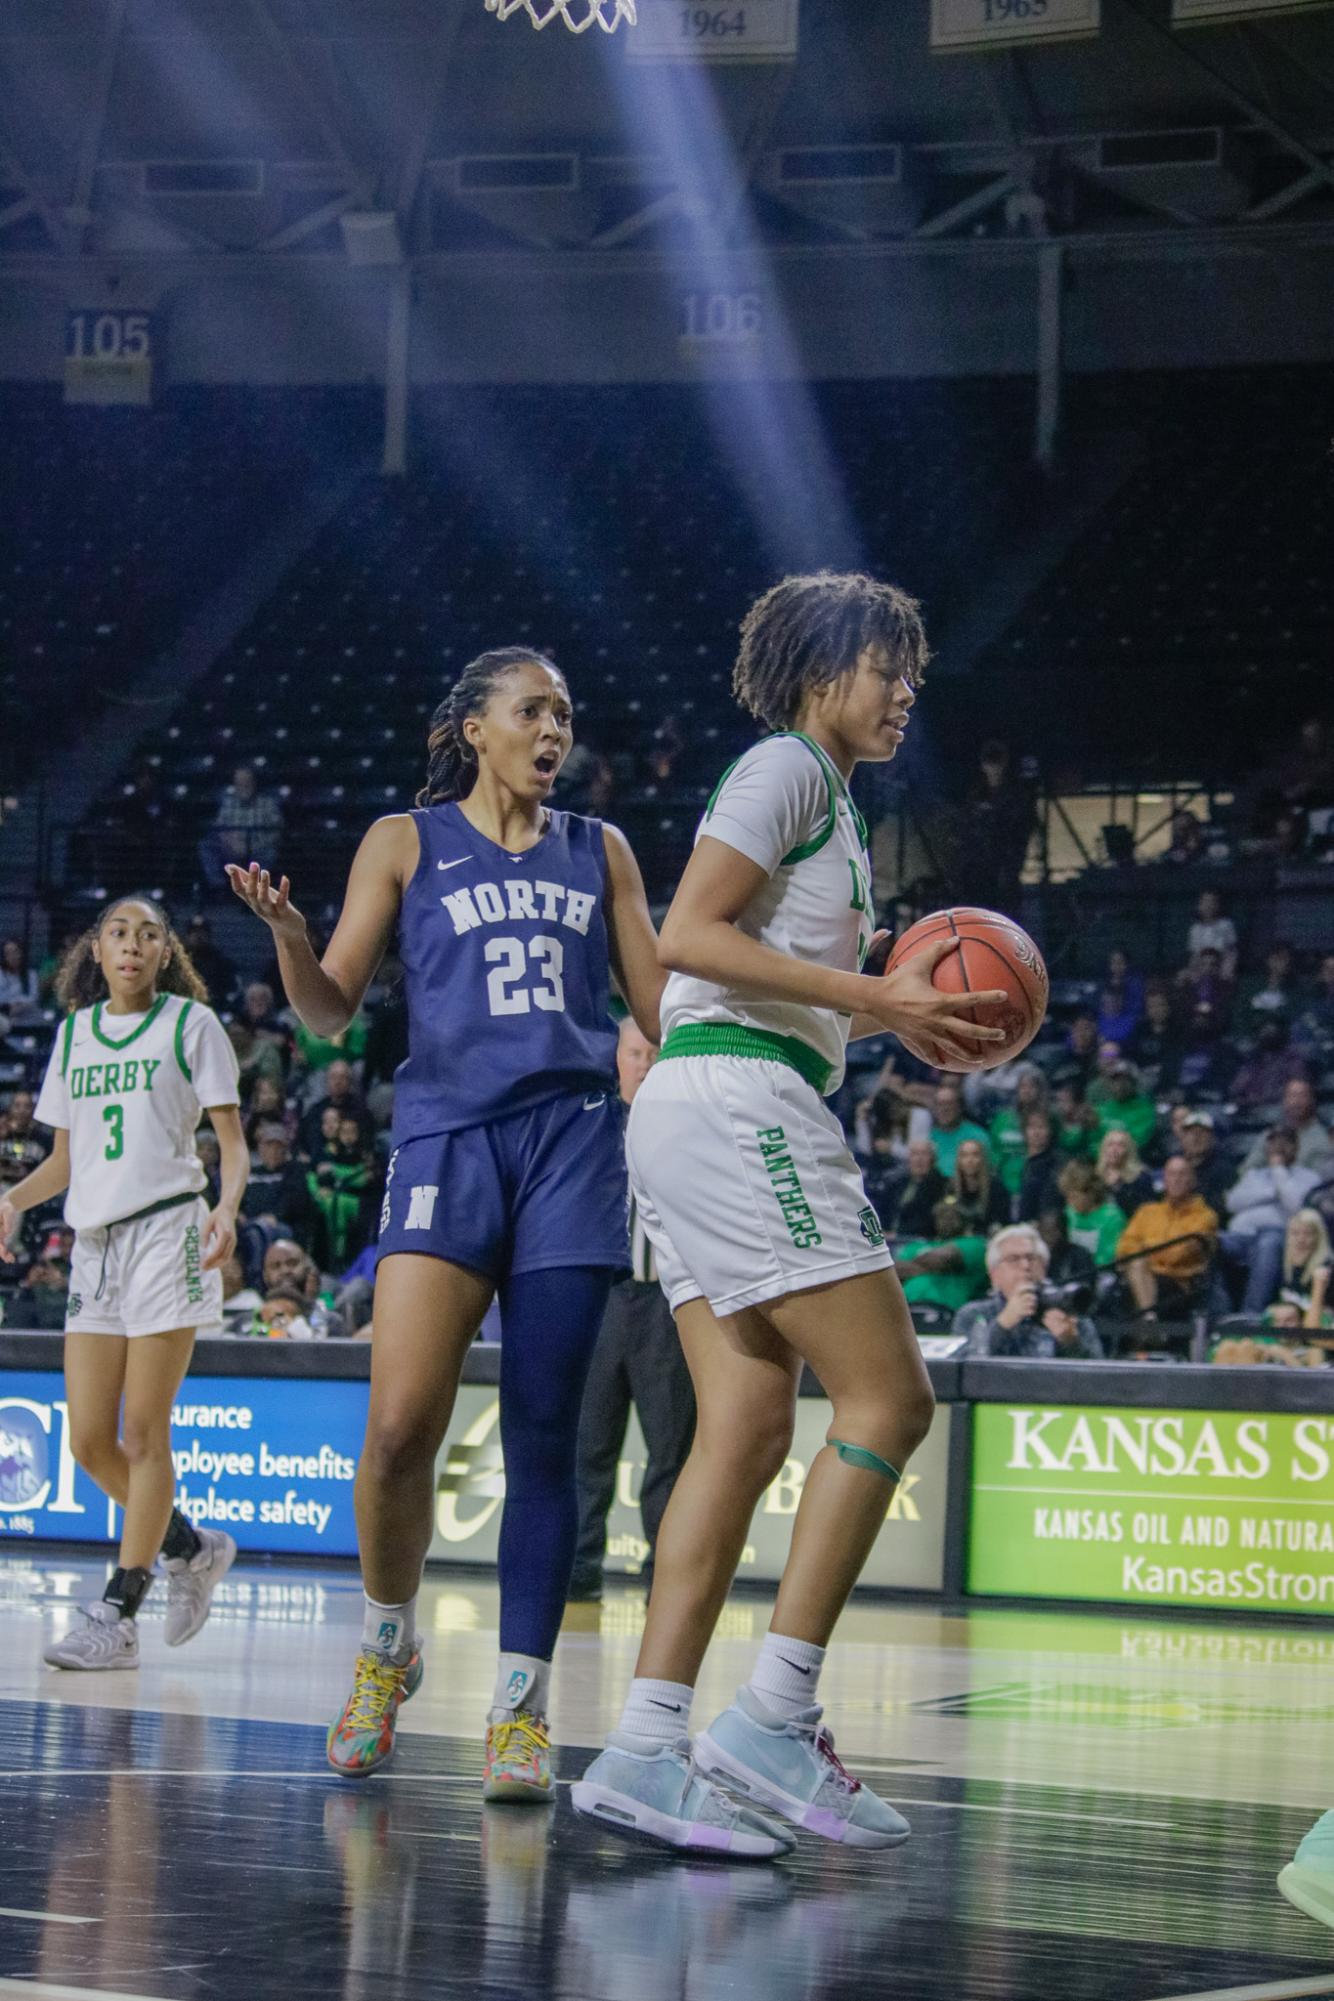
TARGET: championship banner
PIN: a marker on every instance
(470, 1487)
(271, 1462)
(1222, 1509)
(996, 24)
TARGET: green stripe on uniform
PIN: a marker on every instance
(719, 1038)
(68, 1045)
(180, 1041)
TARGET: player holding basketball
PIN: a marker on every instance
(136, 1060)
(508, 1169)
(770, 1254)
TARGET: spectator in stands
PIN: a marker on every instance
(1158, 1046)
(1092, 1220)
(1274, 993)
(1213, 932)
(1206, 996)
(1299, 1115)
(259, 1012)
(256, 1056)
(318, 1052)
(340, 1091)
(19, 997)
(1122, 1172)
(1006, 1132)
(1303, 775)
(947, 1269)
(24, 1140)
(1082, 1047)
(1305, 1278)
(1187, 843)
(246, 828)
(285, 1263)
(1043, 1161)
(1259, 1084)
(215, 969)
(999, 817)
(267, 1105)
(1195, 1138)
(283, 1316)
(1172, 1242)
(1121, 1003)
(911, 1207)
(1011, 1320)
(1067, 1263)
(1315, 1024)
(1075, 1120)
(341, 1184)
(277, 1190)
(1127, 1104)
(949, 1127)
(1260, 1205)
(42, 1299)
(881, 1141)
(980, 1200)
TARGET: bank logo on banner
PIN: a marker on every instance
(470, 1484)
(38, 1473)
(23, 1457)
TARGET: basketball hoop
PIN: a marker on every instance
(578, 15)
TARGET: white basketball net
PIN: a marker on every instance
(578, 15)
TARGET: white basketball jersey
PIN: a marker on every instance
(786, 807)
(129, 1089)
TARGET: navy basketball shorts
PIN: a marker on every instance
(540, 1188)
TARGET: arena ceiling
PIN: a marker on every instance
(236, 126)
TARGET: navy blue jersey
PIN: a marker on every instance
(506, 968)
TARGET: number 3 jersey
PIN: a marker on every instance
(506, 968)
(129, 1089)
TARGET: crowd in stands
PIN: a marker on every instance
(1159, 1154)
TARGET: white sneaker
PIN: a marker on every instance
(102, 1640)
(191, 1582)
(659, 1794)
(790, 1766)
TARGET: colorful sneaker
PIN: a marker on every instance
(191, 1582)
(792, 1768)
(363, 1737)
(1308, 1880)
(102, 1640)
(658, 1794)
(518, 1760)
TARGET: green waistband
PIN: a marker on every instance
(721, 1038)
(156, 1208)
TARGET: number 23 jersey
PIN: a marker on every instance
(506, 969)
(129, 1089)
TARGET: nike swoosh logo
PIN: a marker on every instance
(458, 864)
(595, 1104)
(675, 1707)
(794, 1664)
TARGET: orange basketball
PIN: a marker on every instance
(993, 952)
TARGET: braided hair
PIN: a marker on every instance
(451, 770)
(807, 631)
(80, 980)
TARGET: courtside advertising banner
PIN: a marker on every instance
(1221, 1509)
(270, 1461)
(909, 1554)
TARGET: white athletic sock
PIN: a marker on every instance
(522, 1682)
(657, 1711)
(390, 1629)
(787, 1674)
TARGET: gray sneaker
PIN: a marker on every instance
(191, 1582)
(792, 1768)
(102, 1639)
(658, 1794)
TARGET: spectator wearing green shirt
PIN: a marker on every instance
(946, 1270)
(317, 1052)
(1126, 1105)
(949, 1126)
(1006, 1132)
(1075, 1120)
(1092, 1219)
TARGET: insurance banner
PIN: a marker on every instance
(1219, 1509)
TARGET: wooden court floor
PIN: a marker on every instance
(1100, 1807)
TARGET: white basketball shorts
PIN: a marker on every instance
(144, 1276)
(745, 1183)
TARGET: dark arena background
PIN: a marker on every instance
(343, 339)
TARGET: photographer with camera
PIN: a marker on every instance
(1024, 1315)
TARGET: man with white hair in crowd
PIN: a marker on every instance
(1011, 1321)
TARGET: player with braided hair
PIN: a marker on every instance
(507, 1175)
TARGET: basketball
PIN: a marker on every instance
(993, 952)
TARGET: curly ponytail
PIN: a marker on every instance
(451, 770)
(80, 981)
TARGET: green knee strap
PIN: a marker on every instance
(871, 1462)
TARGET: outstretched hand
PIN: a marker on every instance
(931, 1023)
(272, 905)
